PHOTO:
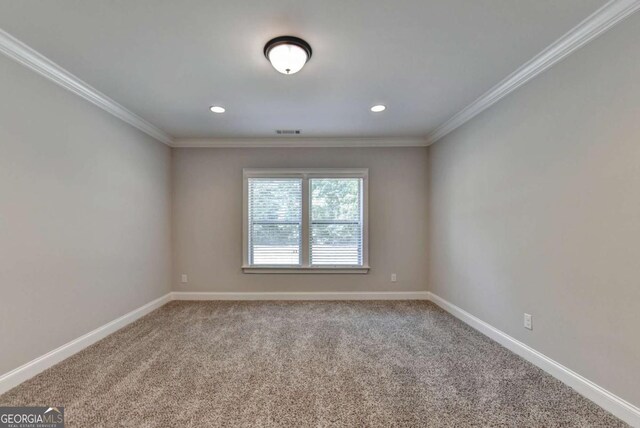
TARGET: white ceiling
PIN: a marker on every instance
(168, 60)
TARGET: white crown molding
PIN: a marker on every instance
(603, 398)
(298, 142)
(20, 52)
(597, 23)
(600, 21)
(40, 364)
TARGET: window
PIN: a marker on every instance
(305, 221)
(275, 221)
(336, 221)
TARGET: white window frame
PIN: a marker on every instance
(306, 174)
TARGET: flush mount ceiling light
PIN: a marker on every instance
(217, 109)
(287, 54)
(378, 108)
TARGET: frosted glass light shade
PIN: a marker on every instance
(288, 59)
(287, 54)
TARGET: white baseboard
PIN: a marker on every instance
(32, 368)
(38, 365)
(603, 398)
(344, 295)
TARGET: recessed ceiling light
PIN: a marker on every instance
(217, 109)
(287, 54)
(378, 108)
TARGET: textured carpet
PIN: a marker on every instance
(304, 364)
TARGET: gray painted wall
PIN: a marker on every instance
(84, 216)
(207, 203)
(535, 207)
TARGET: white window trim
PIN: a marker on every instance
(305, 174)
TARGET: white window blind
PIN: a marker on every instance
(336, 221)
(305, 220)
(275, 221)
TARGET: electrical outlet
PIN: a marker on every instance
(394, 278)
(184, 278)
(528, 321)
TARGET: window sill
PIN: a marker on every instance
(309, 269)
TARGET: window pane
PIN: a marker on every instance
(335, 199)
(336, 221)
(335, 244)
(275, 199)
(275, 221)
(276, 244)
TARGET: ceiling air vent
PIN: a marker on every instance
(288, 131)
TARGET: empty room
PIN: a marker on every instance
(337, 213)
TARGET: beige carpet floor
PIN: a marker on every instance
(304, 364)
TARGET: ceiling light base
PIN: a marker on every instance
(287, 54)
